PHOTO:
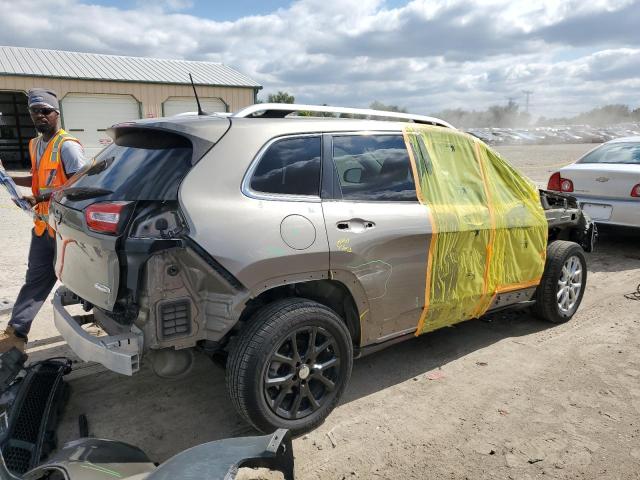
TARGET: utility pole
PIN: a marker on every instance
(527, 93)
(511, 101)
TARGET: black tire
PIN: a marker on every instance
(306, 383)
(548, 295)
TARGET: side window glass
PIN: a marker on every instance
(373, 168)
(290, 166)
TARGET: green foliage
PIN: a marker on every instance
(281, 97)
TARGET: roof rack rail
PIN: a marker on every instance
(281, 110)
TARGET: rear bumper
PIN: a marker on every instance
(118, 353)
(623, 212)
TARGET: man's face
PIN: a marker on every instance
(45, 119)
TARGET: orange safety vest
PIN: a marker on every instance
(47, 176)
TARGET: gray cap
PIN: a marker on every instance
(41, 97)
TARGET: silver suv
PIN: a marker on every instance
(283, 246)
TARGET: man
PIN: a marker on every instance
(55, 156)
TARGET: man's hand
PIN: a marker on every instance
(31, 199)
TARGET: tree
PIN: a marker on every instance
(281, 97)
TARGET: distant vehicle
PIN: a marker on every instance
(606, 182)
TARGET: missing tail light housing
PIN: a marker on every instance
(106, 217)
(559, 184)
(635, 191)
(158, 220)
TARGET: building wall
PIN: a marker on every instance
(150, 95)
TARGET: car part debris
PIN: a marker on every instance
(99, 459)
(31, 400)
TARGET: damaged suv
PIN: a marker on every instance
(288, 246)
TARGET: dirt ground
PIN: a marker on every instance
(513, 398)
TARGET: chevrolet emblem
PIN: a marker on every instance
(602, 179)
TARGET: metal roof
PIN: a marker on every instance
(92, 66)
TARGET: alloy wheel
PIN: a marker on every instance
(302, 373)
(569, 284)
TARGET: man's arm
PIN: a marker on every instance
(73, 158)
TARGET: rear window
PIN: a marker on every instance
(627, 152)
(139, 167)
(290, 167)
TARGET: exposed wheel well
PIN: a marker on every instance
(331, 293)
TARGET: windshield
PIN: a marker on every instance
(131, 173)
(623, 152)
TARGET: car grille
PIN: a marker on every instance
(175, 318)
(32, 433)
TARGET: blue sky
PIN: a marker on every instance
(213, 10)
(221, 10)
(424, 55)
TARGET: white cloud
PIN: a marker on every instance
(427, 55)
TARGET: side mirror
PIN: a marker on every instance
(352, 175)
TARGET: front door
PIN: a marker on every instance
(378, 232)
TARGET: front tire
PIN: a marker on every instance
(290, 366)
(563, 282)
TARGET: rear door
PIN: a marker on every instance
(378, 232)
(142, 166)
(86, 262)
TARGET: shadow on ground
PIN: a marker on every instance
(615, 243)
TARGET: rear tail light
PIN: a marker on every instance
(559, 184)
(566, 185)
(106, 217)
(635, 191)
(554, 182)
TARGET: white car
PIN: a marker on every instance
(606, 182)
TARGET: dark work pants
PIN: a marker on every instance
(41, 278)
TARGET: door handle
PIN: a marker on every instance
(355, 225)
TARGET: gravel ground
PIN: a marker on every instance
(514, 397)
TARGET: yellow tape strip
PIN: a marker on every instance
(481, 307)
(434, 233)
(518, 286)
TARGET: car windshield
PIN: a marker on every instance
(623, 152)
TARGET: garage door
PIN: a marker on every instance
(87, 117)
(175, 105)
